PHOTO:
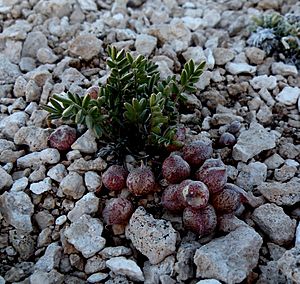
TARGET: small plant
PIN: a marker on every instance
(135, 108)
(276, 34)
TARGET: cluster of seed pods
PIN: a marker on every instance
(198, 187)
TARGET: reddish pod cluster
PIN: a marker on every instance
(202, 196)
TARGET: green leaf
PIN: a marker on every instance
(183, 77)
(110, 63)
(89, 121)
(56, 104)
(68, 112)
(86, 100)
(79, 118)
(49, 109)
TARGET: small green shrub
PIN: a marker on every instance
(135, 108)
(277, 34)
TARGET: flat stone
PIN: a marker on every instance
(88, 5)
(285, 173)
(86, 143)
(211, 17)
(17, 209)
(5, 179)
(255, 55)
(289, 264)
(97, 277)
(127, 267)
(251, 175)
(184, 257)
(34, 137)
(41, 187)
(252, 142)
(288, 96)
(94, 264)
(23, 243)
(176, 34)
(281, 193)
(47, 156)
(93, 181)
(273, 162)
(264, 81)
(81, 165)
(33, 42)
(240, 68)
(223, 55)
(88, 204)
(72, 185)
(154, 238)
(16, 31)
(9, 72)
(110, 252)
(145, 44)
(209, 281)
(52, 277)
(85, 235)
(86, 46)
(154, 273)
(50, 259)
(279, 68)
(194, 53)
(19, 184)
(272, 220)
(230, 258)
(57, 173)
(46, 55)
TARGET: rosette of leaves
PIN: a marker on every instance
(135, 108)
(276, 34)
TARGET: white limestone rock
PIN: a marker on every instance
(154, 238)
(253, 141)
(230, 258)
(17, 209)
(288, 96)
(85, 235)
(127, 267)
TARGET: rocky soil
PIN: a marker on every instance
(51, 227)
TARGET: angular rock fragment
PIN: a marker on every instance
(127, 267)
(281, 193)
(155, 239)
(230, 258)
(85, 235)
(272, 220)
(50, 260)
(289, 264)
(253, 141)
(17, 209)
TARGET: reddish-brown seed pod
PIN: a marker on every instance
(170, 199)
(227, 200)
(62, 138)
(117, 211)
(114, 178)
(175, 169)
(92, 92)
(141, 181)
(197, 152)
(201, 221)
(227, 139)
(178, 139)
(213, 174)
(195, 194)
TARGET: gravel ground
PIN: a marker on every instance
(51, 226)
